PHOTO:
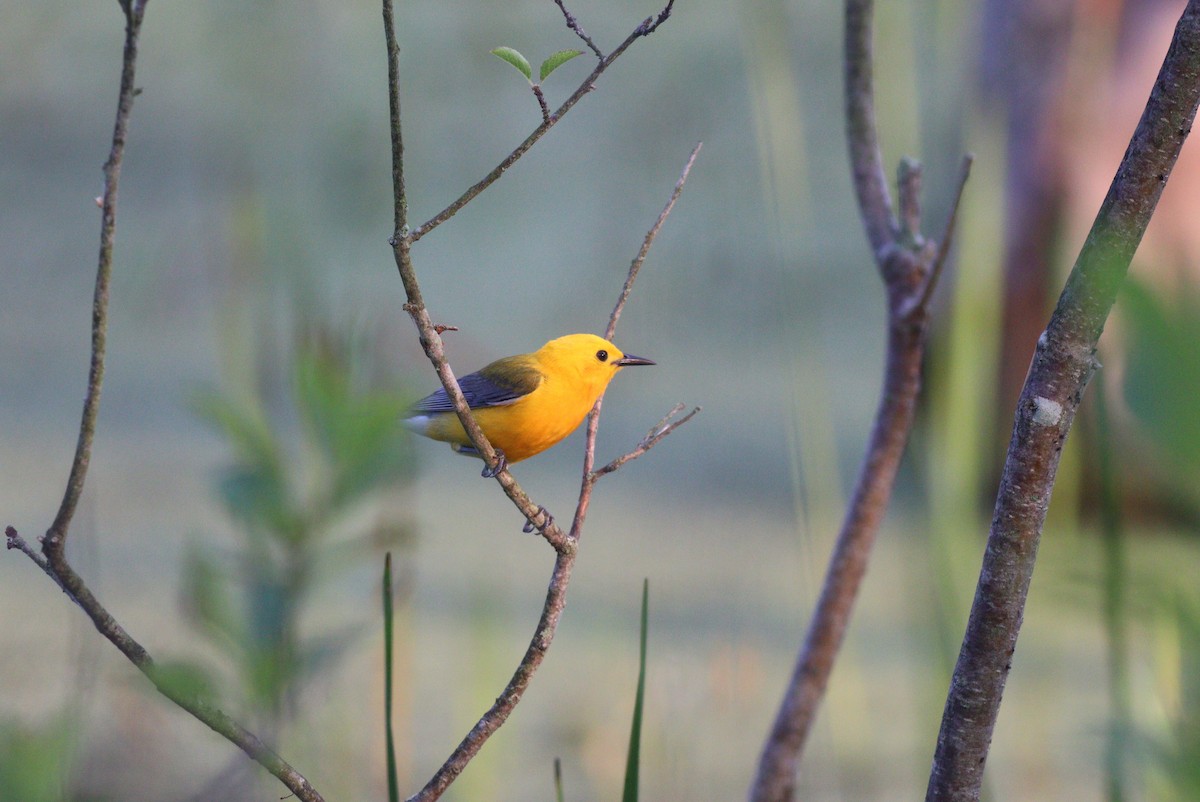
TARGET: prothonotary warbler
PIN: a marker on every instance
(524, 404)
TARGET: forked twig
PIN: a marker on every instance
(593, 420)
(660, 430)
(648, 26)
(428, 334)
(54, 543)
(943, 247)
(910, 267)
(15, 541)
(574, 25)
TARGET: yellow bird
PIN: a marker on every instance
(526, 403)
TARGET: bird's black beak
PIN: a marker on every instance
(629, 360)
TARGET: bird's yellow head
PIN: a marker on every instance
(594, 360)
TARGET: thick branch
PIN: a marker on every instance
(780, 759)
(1062, 365)
(910, 266)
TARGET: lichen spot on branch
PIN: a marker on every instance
(1046, 411)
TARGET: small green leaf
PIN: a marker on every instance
(516, 59)
(557, 60)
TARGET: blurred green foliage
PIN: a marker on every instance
(1176, 749)
(292, 493)
(34, 760)
(1162, 381)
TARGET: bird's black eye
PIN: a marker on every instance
(602, 355)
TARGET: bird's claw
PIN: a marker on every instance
(501, 464)
(530, 526)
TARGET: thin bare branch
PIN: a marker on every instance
(663, 428)
(648, 26)
(908, 190)
(198, 707)
(431, 342)
(593, 419)
(15, 541)
(402, 242)
(574, 25)
(497, 714)
(54, 543)
(636, 266)
(400, 207)
(1063, 363)
(428, 331)
(566, 546)
(55, 539)
(780, 759)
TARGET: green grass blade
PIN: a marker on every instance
(558, 788)
(393, 782)
(635, 736)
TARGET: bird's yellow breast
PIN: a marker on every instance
(536, 422)
(533, 423)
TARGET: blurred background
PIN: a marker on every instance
(248, 474)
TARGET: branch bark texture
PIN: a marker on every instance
(910, 267)
(1062, 365)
